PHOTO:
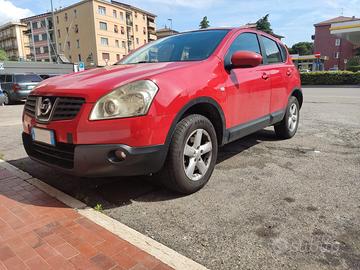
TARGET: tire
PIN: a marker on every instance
(7, 100)
(287, 128)
(189, 164)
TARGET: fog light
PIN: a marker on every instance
(120, 155)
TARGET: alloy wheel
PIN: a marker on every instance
(197, 154)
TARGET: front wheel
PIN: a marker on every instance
(192, 155)
(289, 125)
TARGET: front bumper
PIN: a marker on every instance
(95, 160)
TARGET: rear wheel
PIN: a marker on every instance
(192, 155)
(7, 99)
(289, 125)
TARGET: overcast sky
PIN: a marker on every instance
(292, 19)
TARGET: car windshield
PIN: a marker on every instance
(27, 78)
(191, 46)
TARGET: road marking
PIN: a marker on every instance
(143, 242)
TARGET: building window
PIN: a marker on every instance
(77, 43)
(67, 30)
(144, 41)
(76, 28)
(337, 42)
(136, 28)
(103, 26)
(114, 13)
(137, 41)
(123, 44)
(79, 57)
(144, 31)
(66, 16)
(57, 19)
(135, 14)
(116, 29)
(59, 33)
(104, 41)
(337, 55)
(117, 57)
(117, 43)
(75, 13)
(68, 45)
(121, 16)
(122, 30)
(101, 10)
(144, 17)
(106, 56)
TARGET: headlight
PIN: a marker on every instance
(133, 99)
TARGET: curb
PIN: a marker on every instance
(145, 243)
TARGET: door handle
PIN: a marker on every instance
(289, 72)
(265, 76)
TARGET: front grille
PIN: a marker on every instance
(65, 108)
(61, 155)
(30, 106)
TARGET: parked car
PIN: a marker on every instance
(16, 87)
(2, 97)
(47, 76)
(165, 108)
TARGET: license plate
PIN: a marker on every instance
(43, 135)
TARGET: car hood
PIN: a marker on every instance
(94, 83)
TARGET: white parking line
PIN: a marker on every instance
(147, 244)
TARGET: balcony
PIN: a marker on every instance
(151, 25)
(152, 37)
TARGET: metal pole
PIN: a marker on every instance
(54, 31)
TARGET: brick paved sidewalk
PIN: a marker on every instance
(39, 232)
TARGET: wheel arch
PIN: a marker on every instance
(297, 92)
(207, 107)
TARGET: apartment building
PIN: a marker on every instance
(42, 39)
(100, 32)
(14, 41)
(337, 49)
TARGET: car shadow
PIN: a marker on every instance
(113, 192)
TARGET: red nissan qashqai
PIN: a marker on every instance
(165, 108)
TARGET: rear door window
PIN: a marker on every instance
(272, 51)
(283, 53)
(27, 78)
(8, 78)
(2, 78)
(244, 42)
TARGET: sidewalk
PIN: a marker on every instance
(40, 232)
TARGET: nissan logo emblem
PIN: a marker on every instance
(45, 107)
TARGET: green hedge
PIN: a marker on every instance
(354, 68)
(330, 78)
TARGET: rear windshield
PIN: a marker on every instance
(27, 78)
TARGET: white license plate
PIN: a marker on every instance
(43, 135)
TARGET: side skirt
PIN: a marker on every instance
(245, 129)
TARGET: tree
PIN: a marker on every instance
(302, 48)
(264, 25)
(3, 56)
(204, 23)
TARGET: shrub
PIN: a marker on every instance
(354, 68)
(330, 78)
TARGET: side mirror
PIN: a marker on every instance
(245, 59)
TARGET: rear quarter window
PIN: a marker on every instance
(27, 78)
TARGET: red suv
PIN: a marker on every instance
(165, 108)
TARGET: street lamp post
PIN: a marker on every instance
(170, 20)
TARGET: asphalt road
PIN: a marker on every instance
(270, 204)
